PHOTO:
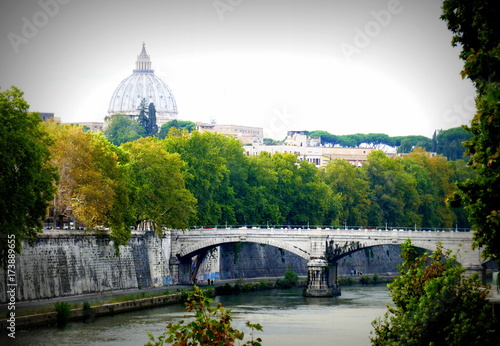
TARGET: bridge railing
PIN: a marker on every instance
(331, 227)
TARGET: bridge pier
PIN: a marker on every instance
(180, 270)
(321, 279)
(479, 269)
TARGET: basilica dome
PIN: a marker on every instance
(143, 84)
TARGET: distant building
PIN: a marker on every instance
(320, 156)
(46, 116)
(310, 149)
(247, 135)
(93, 126)
(143, 84)
(302, 139)
(355, 156)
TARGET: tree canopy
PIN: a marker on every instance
(178, 124)
(121, 129)
(435, 304)
(445, 142)
(159, 194)
(476, 29)
(27, 177)
(205, 179)
(92, 185)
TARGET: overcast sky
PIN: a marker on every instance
(343, 66)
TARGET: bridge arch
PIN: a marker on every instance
(194, 249)
(425, 246)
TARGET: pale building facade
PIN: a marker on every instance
(310, 149)
(247, 135)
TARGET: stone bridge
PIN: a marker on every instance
(322, 247)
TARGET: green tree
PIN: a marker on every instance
(449, 143)
(211, 326)
(26, 175)
(434, 186)
(122, 129)
(208, 176)
(476, 29)
(314, 202)
(260, 204)
(351, 185)
(393, 192)
(435, 304)
(158, 188)
(147, 118)
(460, 172)
(408, 143)
(92, 186)
(179, 124)
(326, 137)
(152, 128)
(285, 166)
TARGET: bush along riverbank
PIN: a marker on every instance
(365, 279)
(290, 280)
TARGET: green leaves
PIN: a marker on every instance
(158, 184)
(476, 28)
(211, 326)
(434, 303)
(26, 175)
(121, 129)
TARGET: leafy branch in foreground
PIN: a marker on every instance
(435, 304)
(212, 326)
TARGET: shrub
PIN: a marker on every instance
(212, 326)
(435, 304)
(88, 313)
(291, 279)
(63, 310)
(365, 280)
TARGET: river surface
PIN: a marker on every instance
(287, 317)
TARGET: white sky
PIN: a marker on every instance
(282, 65)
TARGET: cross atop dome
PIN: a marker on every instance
(143, 64)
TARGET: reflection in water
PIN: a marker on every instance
(288, 318)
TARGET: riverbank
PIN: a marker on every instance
(88, 307)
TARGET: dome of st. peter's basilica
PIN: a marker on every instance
(143, 84)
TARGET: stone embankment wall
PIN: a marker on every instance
(64, 263)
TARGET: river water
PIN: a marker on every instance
(287, 317)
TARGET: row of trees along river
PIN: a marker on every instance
(206, 179)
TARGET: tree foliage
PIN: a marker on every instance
(211, 326)
(206, 179)
(445, 142)
(121, 129)
(178, 124)
(351, 188)
(92, 185)
(147, 118)
(159, 194)
(450, 142)
(408, 143)
(476, 29)
(435, 304)
(26, 175)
